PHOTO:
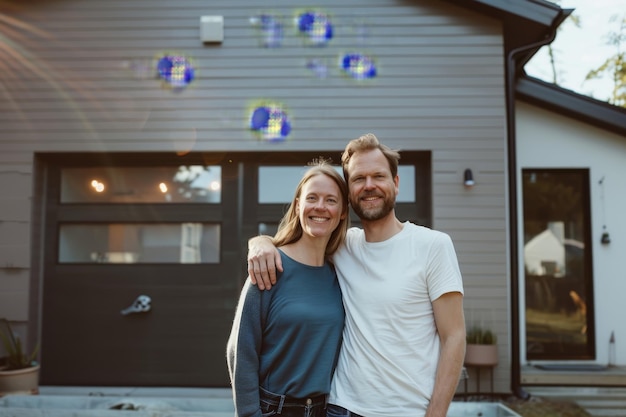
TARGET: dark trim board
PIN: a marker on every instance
(568, 103)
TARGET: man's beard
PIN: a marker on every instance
(373, 213)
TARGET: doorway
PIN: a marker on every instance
(558, 270)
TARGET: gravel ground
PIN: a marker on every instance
(534, 406)
(539, 407)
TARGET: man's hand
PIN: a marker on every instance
(263, 261)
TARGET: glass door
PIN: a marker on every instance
(557, 262)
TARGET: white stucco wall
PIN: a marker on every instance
(550, 140)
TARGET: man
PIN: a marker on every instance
(404, 336)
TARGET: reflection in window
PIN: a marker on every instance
(558, 282)
(139, 243)
(168, 184)
(269, 229)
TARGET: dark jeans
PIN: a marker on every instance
(336, 411)
(283, 406)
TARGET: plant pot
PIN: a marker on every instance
(19, 381)
(481, 355)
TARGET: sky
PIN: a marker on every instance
(578, 50)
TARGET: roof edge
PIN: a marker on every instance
(538, 11)
(571, 104)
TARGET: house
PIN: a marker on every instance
(143, 143)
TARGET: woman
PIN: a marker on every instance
(284, 343)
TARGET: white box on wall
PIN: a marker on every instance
(212, 29)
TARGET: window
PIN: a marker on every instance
(164, 184)
(557, 263)
(186, 243)
(278, 183)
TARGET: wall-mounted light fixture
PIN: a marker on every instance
(468, 178)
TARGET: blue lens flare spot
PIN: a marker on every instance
(270, 122)
(358, 66)
(317, 67)
(316, 26)
(174, 70)
(270, 28)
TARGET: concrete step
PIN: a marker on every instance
(597, 401)
(119, 402)
(71, 402)
(604, 407)
(31, 412)
(68, 406)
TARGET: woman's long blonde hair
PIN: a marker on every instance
(290, 229)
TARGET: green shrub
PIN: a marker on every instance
(479, 336)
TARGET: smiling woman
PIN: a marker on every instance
(319, 208)
(284, 344)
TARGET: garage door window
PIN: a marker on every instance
(185, 243)
(165, 184)
(278, 183)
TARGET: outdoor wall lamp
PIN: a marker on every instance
(468, 178)
(605, 239)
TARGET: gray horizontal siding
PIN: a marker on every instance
(432, 55)
(14, 295)
(15, 186)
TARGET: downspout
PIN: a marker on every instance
(511, 73)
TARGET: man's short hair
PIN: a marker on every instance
(369, 142)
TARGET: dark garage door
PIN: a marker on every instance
(182, 257)
(181, 247)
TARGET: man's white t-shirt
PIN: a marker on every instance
(390, 350)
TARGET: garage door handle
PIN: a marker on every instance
(140, 305)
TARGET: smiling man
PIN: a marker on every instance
(404, 335)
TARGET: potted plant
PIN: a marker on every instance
(482, 348)
(19, 372)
